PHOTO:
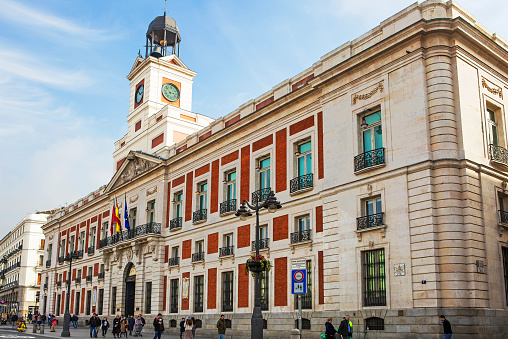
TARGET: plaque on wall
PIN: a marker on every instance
(399, 269)
(185, 288)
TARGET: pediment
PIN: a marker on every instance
(135, 165)
(137, 62)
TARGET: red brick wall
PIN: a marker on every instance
(212, 289)
(262, 143)
(62, 303)
(178, 181)
(264, 103)
(321, 282)
(243, 236)
(319, 219)
(168, 204)
(213, 243)
(188, 197)
(301, 82)
(185, 302)
(183, 148)
(99, 227)
(281, 160)
(301, 125)
(243, 287)
(119, 163)
(280, 227)
(214, 186)
(137, 126)
(321, 165)
(84, 272)
(87, 235)
(73, 274)
(186, 249)
(82, 300)
(281, 282)
(204, 136)
(232, 120)
(157, 140)
(229, 157)
(72, 302)
(245, 172)
(164, 292)
(64, 279)
(96, 269)
(105, 214)
(202, 170)
(166, 253)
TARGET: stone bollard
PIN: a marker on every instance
(295, 333)
(34, 329)
(42, 329)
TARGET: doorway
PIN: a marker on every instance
(130, 290)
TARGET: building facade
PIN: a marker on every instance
(389, 156)
(22, 257)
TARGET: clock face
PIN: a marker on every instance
(139, 93)
(170, 92)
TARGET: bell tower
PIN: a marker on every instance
(160, 110)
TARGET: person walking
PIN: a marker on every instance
(221, 326)
(131, 321)
(143, 323)
(94, 323)
(75, 321)
(188, 328)
(182, 327)
(116, 327)
(158, 326)
(346, 328)
(53, 324)
(104, 326)
(330, 330)
(194, 326)
(124, 326)
(14, 320)
(138, 325)
(447, 327)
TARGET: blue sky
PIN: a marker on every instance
(64, 96)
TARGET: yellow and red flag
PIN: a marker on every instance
(115, 218)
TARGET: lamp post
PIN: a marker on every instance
(67, 316)
(270, 203)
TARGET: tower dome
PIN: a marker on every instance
(161, 34)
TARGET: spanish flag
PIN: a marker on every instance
(115, 218)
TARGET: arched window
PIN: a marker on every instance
(375, 324)
(173, 323)
(228, 323)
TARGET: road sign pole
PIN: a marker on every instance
(300, 314)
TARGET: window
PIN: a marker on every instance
(492, 129)
(82, 241)
(41, 260)
(372, 132)
(307, 297)
(227, 291)
(42, 244)
(93, 234)
(375, 324)
(58, 300)
(104, 230)
(228, 240)
(113, 300)
(265, 299)
(148, 297)
(78, 299)
(88, 302)
(304, 158)
(230, 186)
(50, 251)
(198, 293)
(227, 243)
(264, 173)
(199, 254)
(505, 268)
(132, 217)
(374, 278)
(150, 211)
(305, 324)
(71, 243)
(503, 205)
(372, 213)
(303, 231)
(101, 301)
(202, 195)
(178, 207)
(175, 252)
(173, 296)
(39, 278)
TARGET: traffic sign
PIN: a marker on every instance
(2, 302)
(299, 281)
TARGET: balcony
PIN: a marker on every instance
(260, 195)
(9, 285)
(91, 250)
(200, 256)
(61, 259)
(498, 155)
(226, 251)
(89, 278)
(301, 183)
(369, 159)
(199, 216)
(369, 221)
(300, 236)
(100, 276)
(48, 263)
(45, 286)
(174, 261)
(228, 206)
(59, 284)
(263, 244)
(175, 224)
(78, 280)
(139, 231)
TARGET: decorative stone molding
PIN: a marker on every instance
(379, 87)
(493, 89)
(133, 198)
(135, 167)
(151, 191)
(129, 255)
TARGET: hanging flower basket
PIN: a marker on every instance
(257, 263)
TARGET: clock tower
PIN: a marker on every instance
(160, 110)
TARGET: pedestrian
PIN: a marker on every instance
(14, 320)
(131, 323)
(94, 323)
(158, 326)
(104, 326)
(143, 323)
(124, 325)
(346, 328)
(43, 319)
(330, 330)
(182, 327)
(53, 324)
(221, 326)
(34, 318)
(194, 326)
(116, 327)
(188, 328)
(138, 325)
(39, 321)
(75, 321)
(447, 327)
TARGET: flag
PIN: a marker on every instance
(126, 216)
(117, 217)
(112, 219)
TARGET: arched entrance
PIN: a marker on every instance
(130, 289)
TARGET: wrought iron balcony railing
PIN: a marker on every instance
(225, 251)
(200, 256)
(89, 278)
(369, 221)
(91, 250)
(300, 236)
(498, 154)
(228, 206)
(174, 261)
(9, 285)
(175, 223)
(58, 284)
(77, 280)
(77, 254)
(199, 216)
(48, 263)
(263, 244)
(370, 159)
(100, 276)
(503, 217)
(61, 259)
(260, 195)
(300, 183)
(139, 231)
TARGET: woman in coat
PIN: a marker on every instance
(123, 327)
(104, 326)
(188, 329)
(116, 326)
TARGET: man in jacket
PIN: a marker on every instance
(221, 327)
(447, 327)
(14, 320)
(94, 323)
(158, 326)
(143, 323)
(74, 321)
(346, 328)
(131, 322)
(182, 327)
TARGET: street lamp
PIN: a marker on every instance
(67, 316)
(270, 203)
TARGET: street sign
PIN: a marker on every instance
(2, 302)
(298, 264)
(299, 281)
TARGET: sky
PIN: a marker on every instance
(64, 96)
